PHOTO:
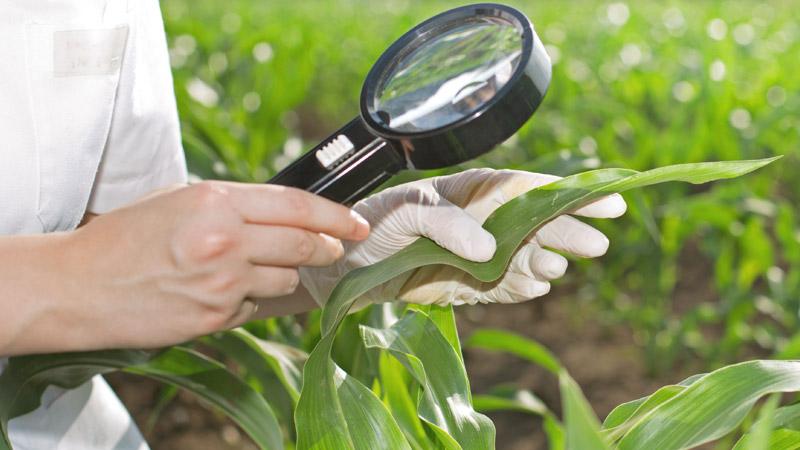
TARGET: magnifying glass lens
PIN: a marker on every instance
(447, 76)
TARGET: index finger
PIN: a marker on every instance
(292, 207)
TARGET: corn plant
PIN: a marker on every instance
(411, 390)
(661, 83)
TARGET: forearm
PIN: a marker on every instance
(32, 293)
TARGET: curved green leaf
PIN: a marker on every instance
(445, 403)
(581, 426)
(445, 320)
(509, 398)
(399, 394)
(624, 416)
(779, 439)
(319, 413)
(712, 406)
(788, 417)
(258, 356)
(537, 207)
(785, 435)
(759, 435)
(324, 414)
(26, 378)
(499, 340)
(360, 406)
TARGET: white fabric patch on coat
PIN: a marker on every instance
(88, 52)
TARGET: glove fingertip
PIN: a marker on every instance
(482, 248)
(478, 246)
(609, 207)
(597, 247)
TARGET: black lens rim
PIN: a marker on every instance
(389, 57)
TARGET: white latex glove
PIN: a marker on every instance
(449, 210)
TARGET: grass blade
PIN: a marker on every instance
(712, 406)
(323, 415)
(499, 340)
(624, 416)
(26, 377)
(319, 412)
(427, 354)
(399, 394)
(759, 435)
(509, 398)
(581, 427)
(258, 355)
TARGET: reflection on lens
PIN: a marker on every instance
(448, 76)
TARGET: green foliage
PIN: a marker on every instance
(710, 407)
(445, 406)
(500, 340)
(321, 414)
(425, 402)
(26, 377)
(257, 82)
(651, 89)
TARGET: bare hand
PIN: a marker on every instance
(181, 263)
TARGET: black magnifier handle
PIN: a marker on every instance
(345, 167)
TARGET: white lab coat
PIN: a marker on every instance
(88, 122)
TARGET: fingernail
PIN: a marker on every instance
(362, 229)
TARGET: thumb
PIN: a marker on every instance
(457, 231)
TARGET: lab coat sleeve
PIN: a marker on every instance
(143, 152)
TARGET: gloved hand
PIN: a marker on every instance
(449, 210)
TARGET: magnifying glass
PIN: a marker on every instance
(447, 91)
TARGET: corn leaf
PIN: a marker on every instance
(622, 418)
(319, 413)
(779, 439)
(445, 320)
(26, 378)
(445, 402)
(499, 340)
(324, 415)
(509, 398)
(788, 417)
(263, 358)
(712, 406)
(759, 436)
(581, 427)
(399, 394)
(360, 405)
(785, 435)
(555, 433)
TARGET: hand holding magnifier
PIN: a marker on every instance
(447, 91)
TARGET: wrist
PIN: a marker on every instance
(31, 271)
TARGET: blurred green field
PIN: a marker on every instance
(705, 275)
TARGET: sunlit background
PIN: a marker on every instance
(695, 277)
